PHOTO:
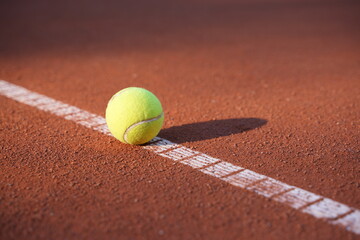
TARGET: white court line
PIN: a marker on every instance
(318, 206)
(179, 153)
(221, 169)
(200, 161)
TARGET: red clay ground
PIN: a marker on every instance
(272, 86)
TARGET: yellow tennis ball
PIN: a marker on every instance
(134, 115)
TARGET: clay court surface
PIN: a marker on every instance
(269, 86)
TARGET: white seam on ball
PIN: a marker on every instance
(138, 123)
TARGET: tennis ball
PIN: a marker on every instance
(134, 115)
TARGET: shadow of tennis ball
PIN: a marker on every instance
(193, 132)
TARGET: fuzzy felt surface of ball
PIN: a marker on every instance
(134, 115)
